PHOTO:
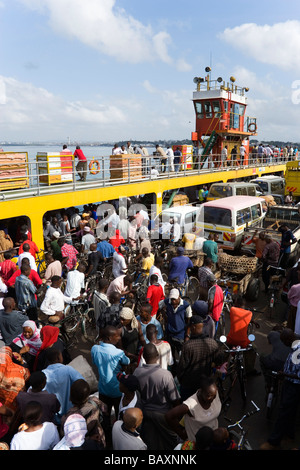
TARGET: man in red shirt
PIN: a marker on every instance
(215, 298)
(155, 294)
(33, 276)
(7, 267)
(81, 166)
(33, 248)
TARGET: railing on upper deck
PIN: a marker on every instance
(134, 174)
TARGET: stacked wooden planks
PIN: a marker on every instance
(126, 167)
(13, 170)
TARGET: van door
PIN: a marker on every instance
(189, 222)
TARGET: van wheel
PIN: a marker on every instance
(253, 290)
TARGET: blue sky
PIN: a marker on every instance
(110, 70)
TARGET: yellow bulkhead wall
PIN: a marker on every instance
(35, 207)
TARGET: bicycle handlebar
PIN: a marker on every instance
(239, 349)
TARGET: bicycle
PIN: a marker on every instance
(239, 435)
(41, 262)
(227, 304)
(274, 287)
(78, 315)
(189, 290)
(234, 370)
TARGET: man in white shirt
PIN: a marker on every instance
(176, 230)
(156, 269)
(170, 155)
(119, 264)
(53, 304)
(116, 150)
(242, 153)
(87, 240)
(154, 173)
(75, 282)
(27, 254)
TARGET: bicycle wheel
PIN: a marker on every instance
(239, 439)
(187, 299)
(193, 289)
(89, 326)
(71, 320)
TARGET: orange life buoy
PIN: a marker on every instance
(252, 127)
(94, 167)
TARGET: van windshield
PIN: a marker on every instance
(220, 191)
(263, 185)
(217, 216)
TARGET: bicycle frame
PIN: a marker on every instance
(240, 435)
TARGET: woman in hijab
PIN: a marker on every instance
(28, 343)
(13, 377)
(50, 338)
(89, 406)
(76, 435)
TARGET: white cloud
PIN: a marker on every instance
(277, 44)
(100, 24)
(27, 110)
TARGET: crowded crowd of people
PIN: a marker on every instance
(154, 355)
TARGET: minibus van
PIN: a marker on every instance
(219, 190)
(228, 217)
(270, 184)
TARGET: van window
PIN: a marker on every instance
(255, 211)
(251, 191)
(243, 216)
(220, 191)
(276, 186)
(217, 216)
(242, 191)
(189, 220)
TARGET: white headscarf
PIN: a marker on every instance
(75, 430)
(128, 314)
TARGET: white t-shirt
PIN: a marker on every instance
(199, 416)
(87, 240)
(75, 282)
(119, 265)
(28, 255)
(157, 271)
(54, 301)
(165, 355)
(44, 438)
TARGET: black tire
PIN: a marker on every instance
(70, 323)
(193, 289)
(253, 290)
(89, 326)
